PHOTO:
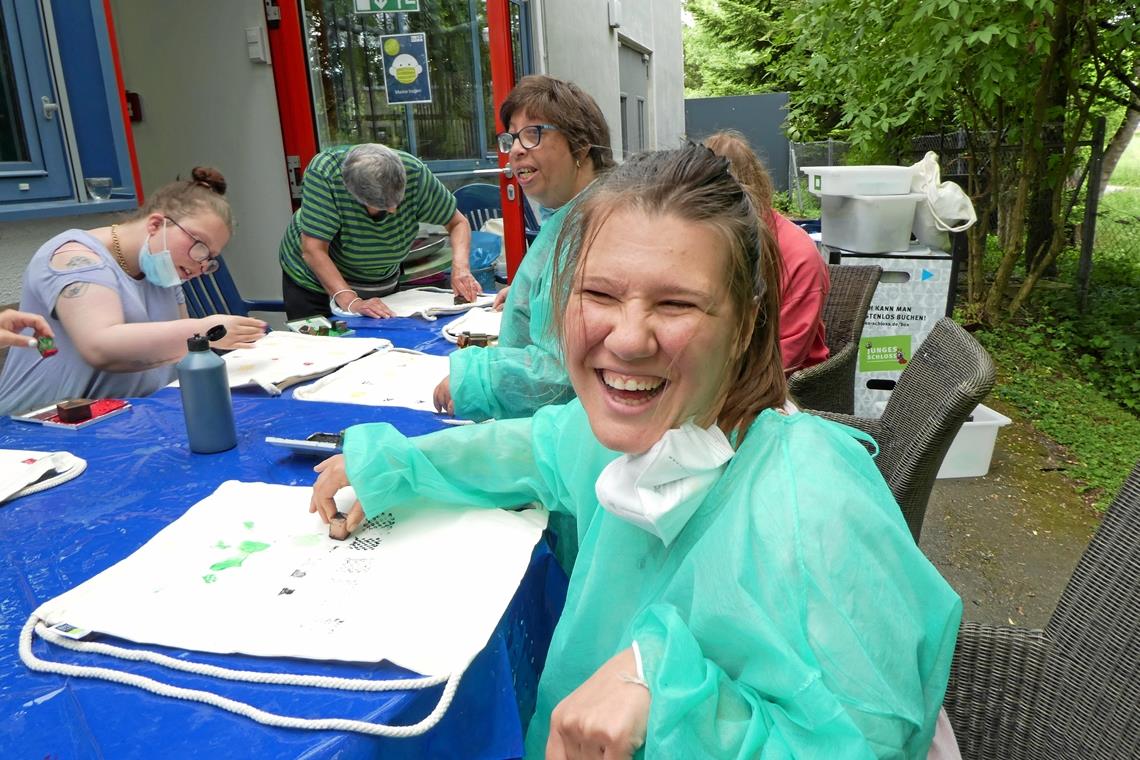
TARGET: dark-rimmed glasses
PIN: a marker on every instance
(530, 136)
(199, 251)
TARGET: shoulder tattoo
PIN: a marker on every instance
(75, 290)
(79, 260)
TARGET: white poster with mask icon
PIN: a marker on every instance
(406, 75)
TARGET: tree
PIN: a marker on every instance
(1010, 74)
(730, 48)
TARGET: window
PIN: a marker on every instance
(33, 161)
(60, 114)
(453, 132)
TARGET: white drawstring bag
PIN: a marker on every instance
(946, 208)
(28, 472)
(249, 570)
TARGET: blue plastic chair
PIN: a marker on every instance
(217, 294)
(480, 202)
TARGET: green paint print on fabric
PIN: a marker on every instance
(248, 525)
(209, 578)
(222, 544)
(246, 548)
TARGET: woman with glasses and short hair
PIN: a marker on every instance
(113, 299)
(558, 143)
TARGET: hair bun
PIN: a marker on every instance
(208, 176)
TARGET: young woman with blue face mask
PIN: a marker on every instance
(113, 299)
(746, 585)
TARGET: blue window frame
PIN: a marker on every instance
(60, 114)
(33, 157)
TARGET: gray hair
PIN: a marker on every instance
(374, 175)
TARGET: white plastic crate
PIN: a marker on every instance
(858, 180)
(973, 448)
(868, 223)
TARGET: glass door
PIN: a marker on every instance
(454, 133)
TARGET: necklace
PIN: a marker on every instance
(118, 250)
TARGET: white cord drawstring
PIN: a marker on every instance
(451, 684)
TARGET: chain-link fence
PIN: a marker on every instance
(800, 203)
(1118, 224)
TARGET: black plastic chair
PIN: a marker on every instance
(218, 294)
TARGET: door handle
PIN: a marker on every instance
(50, 107)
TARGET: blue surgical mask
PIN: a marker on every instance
(158, 266)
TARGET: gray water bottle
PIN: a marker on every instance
(206, 400)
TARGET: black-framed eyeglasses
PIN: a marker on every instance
(199, 251)
(530, 136)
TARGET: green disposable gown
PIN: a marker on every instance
(524, 371)
(792, 617)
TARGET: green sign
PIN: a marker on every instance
(884, 353)
(387, 6)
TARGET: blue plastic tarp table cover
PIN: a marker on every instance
(140, 477)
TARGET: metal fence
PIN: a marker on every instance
(823, 153)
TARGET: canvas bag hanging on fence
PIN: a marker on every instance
(249, 570)
(945, 209)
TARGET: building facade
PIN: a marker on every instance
(143, 90)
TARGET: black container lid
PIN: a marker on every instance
(198, 343)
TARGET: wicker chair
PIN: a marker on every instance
(947, 377)
(830, 385)
(1071, 691)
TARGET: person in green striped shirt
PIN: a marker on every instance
(361, 208)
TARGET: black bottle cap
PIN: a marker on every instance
(217, 332)
(198, 343)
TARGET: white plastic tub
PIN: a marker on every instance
(973, 448)
(868, 223)
(858, 180)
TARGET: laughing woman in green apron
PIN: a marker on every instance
(361, 208)
(747, 586)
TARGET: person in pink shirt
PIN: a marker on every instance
(804, 282)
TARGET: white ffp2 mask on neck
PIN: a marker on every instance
(659, 490)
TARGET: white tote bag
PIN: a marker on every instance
(946, 207)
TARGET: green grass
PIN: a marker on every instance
(1127, 172)
(1101, 438)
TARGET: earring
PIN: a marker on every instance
(577, 164)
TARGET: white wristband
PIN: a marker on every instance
(639, 677)
(350, 303)
(637, 660)
(342, 290)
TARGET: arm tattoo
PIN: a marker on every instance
(74, 290)
(78, 261)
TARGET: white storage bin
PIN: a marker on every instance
(868, 223)
(970, 453)
(858, 180)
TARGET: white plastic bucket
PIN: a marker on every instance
(868, 223)
(973, 448)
